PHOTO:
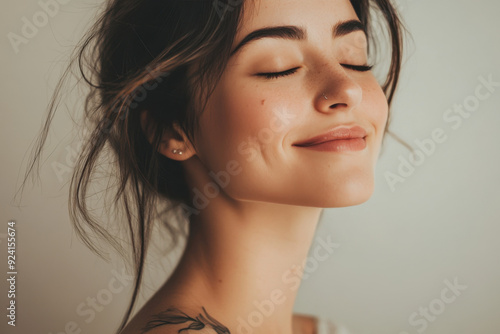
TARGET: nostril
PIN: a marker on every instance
(337, 105)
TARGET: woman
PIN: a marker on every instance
(243, 119)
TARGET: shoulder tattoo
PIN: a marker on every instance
(173, 316)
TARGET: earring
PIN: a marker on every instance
(177, 151)
(325, 96)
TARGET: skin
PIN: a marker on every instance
(262, 223)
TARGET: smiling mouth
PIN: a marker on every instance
(338, 145)
(338, 139)
(338, 133)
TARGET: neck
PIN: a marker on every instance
(244, 263)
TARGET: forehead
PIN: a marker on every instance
(316, 16)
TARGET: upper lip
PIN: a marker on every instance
(335, 133)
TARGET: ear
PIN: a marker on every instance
(171, 141)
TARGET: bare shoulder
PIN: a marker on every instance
(182, 320)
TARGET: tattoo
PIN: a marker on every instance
(173, 316)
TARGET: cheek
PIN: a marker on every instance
(376, 109)
(241, 124)
(375, 105)
(247, 126)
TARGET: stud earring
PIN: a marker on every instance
(177, 152)
(325, 96)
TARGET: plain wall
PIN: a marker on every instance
(395, 253)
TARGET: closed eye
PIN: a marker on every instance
(359, 68)
(275, 75)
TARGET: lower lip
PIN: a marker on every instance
(340, 145)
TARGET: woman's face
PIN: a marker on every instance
(252, 122)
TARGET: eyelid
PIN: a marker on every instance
(275, 75)
(359, 68)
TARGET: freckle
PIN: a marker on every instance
(263, 101)
(220, 281)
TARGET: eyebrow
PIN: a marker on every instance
(297, 33)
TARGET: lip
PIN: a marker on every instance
(341, 134)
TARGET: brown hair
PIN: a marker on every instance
(137, 57)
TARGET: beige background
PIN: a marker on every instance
(394, 252)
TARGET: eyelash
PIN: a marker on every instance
(275, 75)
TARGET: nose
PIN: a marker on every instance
(340, 91)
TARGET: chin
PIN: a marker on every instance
(349, 193)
